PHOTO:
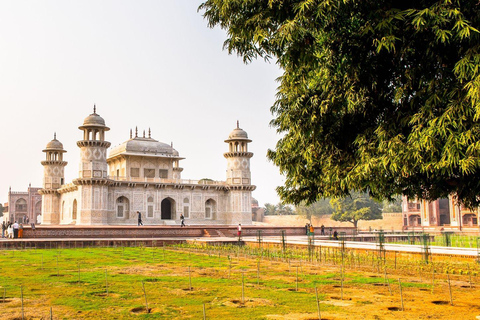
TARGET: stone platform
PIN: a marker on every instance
(157, 232)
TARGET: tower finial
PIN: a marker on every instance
(144, 133)
(149, 133)
(54, 136)
(94, 108)
(130, 133)
(171, 144)
(136, 132)
(238, 125)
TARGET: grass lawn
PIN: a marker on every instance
(179, 282)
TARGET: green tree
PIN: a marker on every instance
(283, 209)
(357, 206)
(376, 96)
(318, 208)
(270, 209)
(393, 206)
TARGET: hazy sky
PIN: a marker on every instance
(143, 63)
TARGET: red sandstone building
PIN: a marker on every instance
(22, 205)
(443, 213)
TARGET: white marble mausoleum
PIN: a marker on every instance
(142, 174)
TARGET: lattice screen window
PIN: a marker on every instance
(135, 172)
(186, 208)
(150, 207)
(149, 173)
(163, 173)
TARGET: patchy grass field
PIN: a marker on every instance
(179, 282)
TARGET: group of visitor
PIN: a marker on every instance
(309, 230)
(12, 231)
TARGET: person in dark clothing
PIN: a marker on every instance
(140, 223)
(335, 235)
(182, 220)
(322, 230)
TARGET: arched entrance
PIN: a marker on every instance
(168, 209)
(415, 220)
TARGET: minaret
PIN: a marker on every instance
(92, 178)
(53, 179)
(239, 177)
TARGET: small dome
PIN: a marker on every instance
(54, 145)
(238, 134)
(94, 120)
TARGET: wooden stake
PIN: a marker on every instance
(204, 313)
(387, 281)
(145, 294)
(296, 281)
(21, 297)
(450, 289)
(243, 287)
(318, 304)
(433, 278)
(401, 292)
(51, 314)
(258, 272)
(341, 283)
(106, 282)
(189, 279)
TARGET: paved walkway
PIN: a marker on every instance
(319, 241)
(296, 240)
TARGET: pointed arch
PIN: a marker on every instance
(168, 209)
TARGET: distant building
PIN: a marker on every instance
(257, 212)
(438, 213)
(142, 174)
(23, 205)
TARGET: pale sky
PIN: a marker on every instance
(143, 63)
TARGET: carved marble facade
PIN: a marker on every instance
(142, 174)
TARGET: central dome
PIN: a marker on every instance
(144, 147)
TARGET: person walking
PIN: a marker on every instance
(140, 222)
(15, 230)
(4, 228)
(306, 229)
(311, 230)
(182, 220)
(322, 230)
(239, 231)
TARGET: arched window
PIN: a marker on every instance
(186, 208)
(210, 209)
(150, 207)
(38, 208)
(21, 205)
(122, 206)
(74, 210)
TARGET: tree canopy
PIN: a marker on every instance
(376, 96)
(316, 209)
(278, 209)
(356, 207)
